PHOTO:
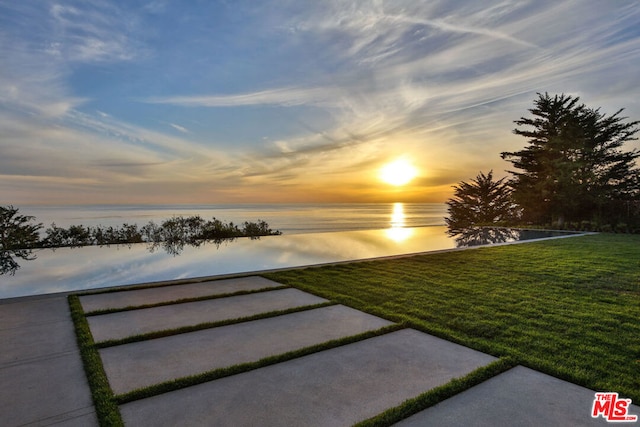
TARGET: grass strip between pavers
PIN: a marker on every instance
(103, 398)
(438, 394)
(207, 325)
(215, 374)
(183, 300)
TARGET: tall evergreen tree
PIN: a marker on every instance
(574, 167)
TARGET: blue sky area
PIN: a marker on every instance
(288, 101)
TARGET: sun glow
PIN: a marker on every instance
(399, 172)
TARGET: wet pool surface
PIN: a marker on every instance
(69, 269)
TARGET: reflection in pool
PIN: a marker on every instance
(476, 236)
(398, 231)
(67, 269)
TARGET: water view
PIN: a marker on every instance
(67, 269)
(288, 218)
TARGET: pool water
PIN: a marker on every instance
(70, 269)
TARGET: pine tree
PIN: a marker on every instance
(574, 167)
(480, 202)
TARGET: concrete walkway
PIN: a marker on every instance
(42, 380)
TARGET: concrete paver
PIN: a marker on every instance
(150, 362)
(518, 397)
(42, 381)
(339, 386)
(127, 298)
(124, 324)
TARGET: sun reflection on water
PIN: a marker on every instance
(398, 233)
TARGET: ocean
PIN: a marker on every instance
(287, 218)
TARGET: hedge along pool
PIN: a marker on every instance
(72, 269)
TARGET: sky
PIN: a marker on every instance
(282, 101)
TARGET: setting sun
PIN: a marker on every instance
(399, 172)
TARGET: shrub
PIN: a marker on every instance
(621, 227)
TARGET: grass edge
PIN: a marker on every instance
(103, 398)
(438, 394)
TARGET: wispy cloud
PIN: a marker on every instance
(93, 32)
(43, 41)
(288, 96)
(442, 95)
(331, 90)
(179, 128)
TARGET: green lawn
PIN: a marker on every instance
(567, 307)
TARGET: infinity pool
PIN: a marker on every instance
(92, 267)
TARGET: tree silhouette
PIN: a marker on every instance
(573, 167)
(480, 202)
(18, 236)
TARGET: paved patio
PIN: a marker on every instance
(43, 382)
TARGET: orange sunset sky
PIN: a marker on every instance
(280, 101)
